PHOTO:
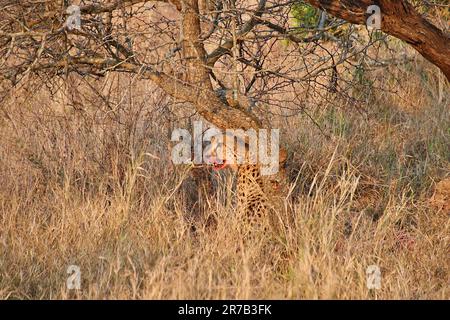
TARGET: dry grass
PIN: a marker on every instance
(78, 186)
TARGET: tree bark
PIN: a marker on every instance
(399, 19)
(198, 88)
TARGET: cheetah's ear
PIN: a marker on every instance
(283, 156)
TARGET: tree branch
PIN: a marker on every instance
(225, 47)
(399, 19)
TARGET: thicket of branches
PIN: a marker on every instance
(230, 59)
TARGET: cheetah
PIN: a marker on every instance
(258, 196)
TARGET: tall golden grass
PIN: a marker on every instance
(90, 184)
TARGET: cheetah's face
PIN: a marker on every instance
(227, 152)
(230, 151)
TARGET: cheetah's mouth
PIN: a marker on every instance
(219, 166)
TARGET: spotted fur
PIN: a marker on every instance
(259, 197)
